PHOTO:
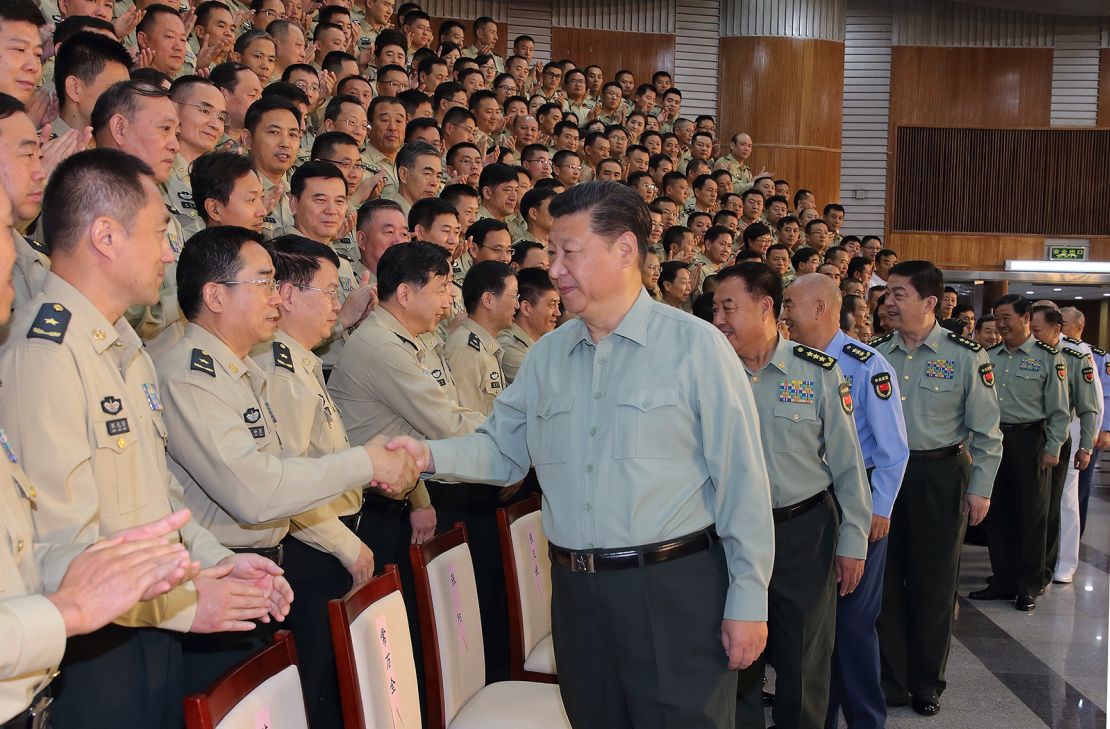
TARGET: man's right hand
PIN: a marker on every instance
(363, 568)
(394, 470)
(418, 449)
(226, 605)
(744, 641)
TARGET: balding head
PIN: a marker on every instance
(1046, 302)
(811, 308)
(1074, 321)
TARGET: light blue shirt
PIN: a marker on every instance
(880, 423)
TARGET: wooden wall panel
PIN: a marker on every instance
(502, 44)
(641, 53)
(1103, 119)
(991, 88)
(787, 93)
(971, 252)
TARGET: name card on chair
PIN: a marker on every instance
(456, 606)
(382, 631)
(537, 573)
(262, 718)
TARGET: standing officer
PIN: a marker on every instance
(1033, 404)
(947, 398)
(651, 494)
(811, 310)
(538, 314)
(811, 448)
(1085, 401)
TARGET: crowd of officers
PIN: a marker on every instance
(259, 257)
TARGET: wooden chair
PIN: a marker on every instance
(528, 584)
(454, 660)
(373, 655)
(262, 691)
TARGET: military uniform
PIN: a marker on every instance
(741, 174)
(376, 161)
(498, 62)
(32, 263)
(281, 217)
(179, 198)
(810, 447)
(581, 111)
(400, 199)
(947, 396)
(1033, 400)
(111, 474)
(515, 343)
(592, 416)
(881, 427)
(160, 325)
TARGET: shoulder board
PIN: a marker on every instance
(882, 340)
(964, 341)
(50, 323)
(816, 356)
(857, 352)
(1075, 353)
(40, 247)
(1069, 340)
(1099, 352)
(1047, 348)
(201, 361)
(474, 342)
(283, 357)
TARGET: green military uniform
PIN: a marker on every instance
(515, 343)
(474, 356)
(518, 229)
(178, 193)
(498, 61)
(741, 174)
(1033, 400)
(810, 446)
(947, 389)
(400, 199)
(581, 111)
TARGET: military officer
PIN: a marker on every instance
(811, 310)
(1085, 406)
(1033, 402)
(811, 448)
(22, 178)
(948, 400)
(222, 442)
(272, 134)
(538, 314)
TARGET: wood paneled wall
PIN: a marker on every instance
(1103, 119)
(969, 252)
(787, 93)
(641, 53)
(502, 45)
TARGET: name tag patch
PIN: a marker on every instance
(258, 431)
(118, 426)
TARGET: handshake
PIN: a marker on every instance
(398, 462)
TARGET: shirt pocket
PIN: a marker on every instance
(113, 464)
(551, 430)
(646, 422)
(936, 396)
(795, 427)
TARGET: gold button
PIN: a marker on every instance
(234, 367)
(307, 363)
(33, 492)
(755, 378)
(909, 356)
(796, 416)
(903, 398)
(121, 442)
(936, 389)
(782, 365)
(19, 546)
(905, 377)
(98, 335)
(59, 307)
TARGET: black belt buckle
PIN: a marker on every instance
(582, 562)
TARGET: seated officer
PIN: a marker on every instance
(538, 314)
(222, 443)
(227, 191)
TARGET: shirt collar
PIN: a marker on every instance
(85, 319)
(632, 327)
(516, 331)
(390, 322)
(304, 358)
(488, 340)
(221, 353)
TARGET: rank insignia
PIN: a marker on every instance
(118, 427)
(252, 415)
(201, 361)
(40, 247)
(940, 369)
(50, 324)
(283, 357)
(474, 342)
(857, 352)
(846, 398)
(799, 392)
(111, 405)
(153, 399)
(1089, 374)
(1030, 364)
(883, 388)
(7, 446)
(986, 374)
(1062, 371)
(816, 356)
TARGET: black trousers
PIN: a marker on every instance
(120, 678)
(642, 647)
(1052, 522)
(922, 570)
(801, 625)
(1017, 528)
(210, 656)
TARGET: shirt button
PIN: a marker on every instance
(755, 378)
(905, 377)
(19, 546)
(936, 389)
(796, 416)
(909, 356)
(601, 360)
(589, 468)
(593, 431)
(903, 398)
(597, 396)
(588, 507)
(590, 545)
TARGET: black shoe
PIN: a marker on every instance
(926, 705)
(1025, 602)
(990, 592)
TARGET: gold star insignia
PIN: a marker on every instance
(52, 322)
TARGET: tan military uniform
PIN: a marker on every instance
(517, 227)
(375, 161)
(310, 426)
(281, 217)
(99, 462)
(741, 173)
(582, 111)
(515, 343)
(474, 356)
(498, 61)
(178, 192)
(400, 199)
(32, 263)
(161, 325)
(224, 447)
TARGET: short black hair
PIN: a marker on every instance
(340, 88)
(75, 24)
(424, 212)
(335, 105)
(1021, 305)
(496, 174)
(122, 98)
(614, 209)
(226, 75)
(482, 278)
(925, 278)
(260, 108)
(370, 208)
(312, 170)
(85, 56)
(758, 279)
(479, 230)
(522, 248)
(414, 263)
(150, 16)
(326, 142)
(532, 283)
(533, 199)
(297, 258)
(753, 231)
(668, 271)
(209, 256)
(25, 11)
(984, 319)
(858, 264)
(802, 255)
(673, 237)
(213, 176)
(285, 90)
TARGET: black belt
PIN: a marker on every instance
(1010, 427)
(937, 454)
(36, 717)
(786, 513)
(274, 554)
(598, 560)
(352, 521)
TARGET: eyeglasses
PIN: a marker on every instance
(221, 116)
(505, 87)
(306, 87)
(656, 268)
(268, 285)
(352, 124)
(499, 250)
(331, 293)
(573, 168)
(345, 165)
(271, 13)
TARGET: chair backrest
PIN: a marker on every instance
(373, 655)
(262, 691)
(450, 624)
(527, 576)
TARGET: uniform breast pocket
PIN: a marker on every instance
(646, 421)
(1027, 383)
(116, 440)
(547, 443)
(796, 427)
(937, 395)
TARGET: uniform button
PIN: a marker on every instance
(234, 368)
(19, 546)
(796, 416)
(593, 431)
(644, 404)
(755, 378)
(936, 389)
(903, 398)
(597, 396)
(909, 356)
(588, 507)
(33, 492)
(601, 361)
(121, 442)
(589, 468)
(905, 377)
(590, 545)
